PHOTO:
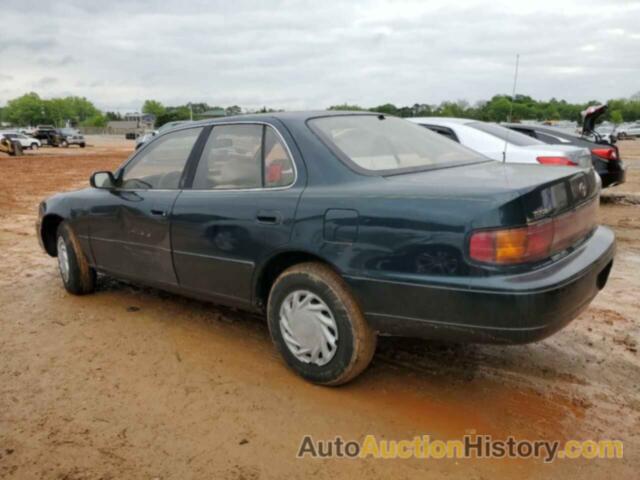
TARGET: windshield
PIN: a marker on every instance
(378, 143)
(503, 133)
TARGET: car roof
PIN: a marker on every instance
(299, 116)
(444, 121)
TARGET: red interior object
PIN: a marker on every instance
(274, 173)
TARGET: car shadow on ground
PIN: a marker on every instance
(429, 359)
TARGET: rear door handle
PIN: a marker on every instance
(269, 216)
(160, 213)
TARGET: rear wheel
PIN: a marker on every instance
(82, 145)
(317, 325)
(34, 146)
(64, 143)
(77, 276)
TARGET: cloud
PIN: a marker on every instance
(295, 55)
(56, 61)
(45, 82)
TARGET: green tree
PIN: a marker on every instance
(346, 107)
(173, 114)
(387, 108)
(58, 111)
(98, 120)
(25, 110)
(201, 107)
(80, 109)
(616, 117)
(497, 110)
(153, 107)
(233, 110)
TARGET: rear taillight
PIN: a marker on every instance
(556, 161)
(533, 242)
(605, 153)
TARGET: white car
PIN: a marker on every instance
(627, 131)
(503, 144)
(25, 141)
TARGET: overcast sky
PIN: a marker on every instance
(299, 55)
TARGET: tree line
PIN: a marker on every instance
(31, 109)
(501, 108)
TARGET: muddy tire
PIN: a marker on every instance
(77, 276)
(317, 325)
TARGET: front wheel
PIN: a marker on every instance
(34, 146)
(64, 144)
(317, 325)
(77, 276)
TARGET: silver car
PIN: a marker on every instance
(628, 131)
(503, 144)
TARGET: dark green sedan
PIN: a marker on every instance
(340, 227)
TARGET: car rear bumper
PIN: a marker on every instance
(612, 178)
(517, 308)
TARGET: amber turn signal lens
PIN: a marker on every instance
(533, 242)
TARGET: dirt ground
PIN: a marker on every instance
(135, 383)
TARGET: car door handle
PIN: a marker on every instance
(160, 213)
(266, 216)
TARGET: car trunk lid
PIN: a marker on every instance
(542, 191)
(589, 117)
(581, 157)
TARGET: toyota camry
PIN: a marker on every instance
(340, 227)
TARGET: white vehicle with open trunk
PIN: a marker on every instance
(503, 144)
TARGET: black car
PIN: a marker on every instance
(340, 227)
(605, 155)
(56, 137)
(48, 135)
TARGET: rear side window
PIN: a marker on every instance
(445, 132)
(504, 134)
(278, 166)
(527, 132)
(243, 157)
(548, 138)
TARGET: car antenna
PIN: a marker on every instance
(513, 97)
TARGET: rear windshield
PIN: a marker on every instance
(380, 144)
(503, 133)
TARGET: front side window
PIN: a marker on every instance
(160, 164)
(243, 156)
(380, 144)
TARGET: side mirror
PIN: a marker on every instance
(102, 180)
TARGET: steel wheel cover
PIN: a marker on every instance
(308, 328)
